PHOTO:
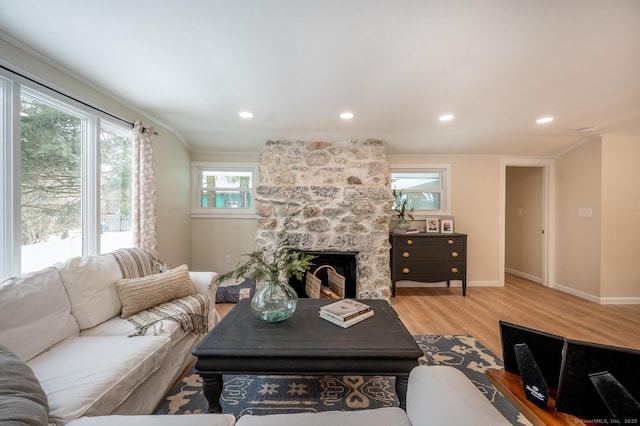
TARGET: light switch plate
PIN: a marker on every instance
(585, 212)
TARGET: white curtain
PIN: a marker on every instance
(144, 190)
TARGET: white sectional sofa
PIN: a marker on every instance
(64, 323)
(437, 396)
(66, 358)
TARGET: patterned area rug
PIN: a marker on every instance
(243, 394)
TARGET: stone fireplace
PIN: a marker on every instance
(341, 191)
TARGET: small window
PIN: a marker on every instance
(224, 189)
(426, 189)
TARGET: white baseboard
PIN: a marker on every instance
(596, 299)
(524, 275)
(581, 294)
(620, 300)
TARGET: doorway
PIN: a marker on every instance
(524, 232)
(525, 219)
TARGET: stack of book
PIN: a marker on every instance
(346, 312)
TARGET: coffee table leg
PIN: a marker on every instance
(212, 389)
(402, 383)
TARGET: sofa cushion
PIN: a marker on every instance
(22, 400)
(165, 420)
(90, 283)
(91, 376)
(139, 294)
(29, 328)
(390, 416)
(117, 326)
(443, 395)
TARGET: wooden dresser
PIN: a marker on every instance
(429, 257)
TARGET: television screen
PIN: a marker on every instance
(577, 394)
(546, 349)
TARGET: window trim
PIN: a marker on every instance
(215, 213)
(10, 179)
(445, 170)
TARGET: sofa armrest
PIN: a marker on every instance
(205, 282)
(442, 395)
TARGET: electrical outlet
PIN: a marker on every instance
(585, 212)
(227, 259)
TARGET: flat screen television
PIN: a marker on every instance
(577, 394)
(546, 349)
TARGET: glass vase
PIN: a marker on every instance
(403, 224)
(274, 301)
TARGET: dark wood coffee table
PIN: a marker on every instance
(306, 344)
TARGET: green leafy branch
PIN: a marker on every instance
(401, 205)
(263, 265)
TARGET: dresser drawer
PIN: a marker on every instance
(431, 253)
(428, 240)
(430, 271)
(408, 241)
(450, 241)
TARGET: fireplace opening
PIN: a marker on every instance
(345, 264)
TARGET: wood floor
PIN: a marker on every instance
(441, 310)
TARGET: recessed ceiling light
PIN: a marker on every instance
(544, 120)
(346, 115)
(446, 117)
(245, 114)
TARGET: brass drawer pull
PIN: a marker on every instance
(454, 270)
(405, 270)
(450, 241)
(409, 241)
(405, 254)
(454, 254)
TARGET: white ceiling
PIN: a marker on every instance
(498, 65)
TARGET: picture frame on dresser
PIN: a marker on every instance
(446, 226)
(433, 224)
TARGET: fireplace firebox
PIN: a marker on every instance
(345, 264)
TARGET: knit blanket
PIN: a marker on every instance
(191, 312)
(135, 262)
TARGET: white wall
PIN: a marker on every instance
(596, 256)
(620, 271)
(578, 185)
(214, 239)
(475, 191)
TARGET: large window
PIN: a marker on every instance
(66, 177)
(223, 189)
(426, 189)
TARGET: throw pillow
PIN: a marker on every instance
(140, 294)
(22, 400)
(89, 284)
